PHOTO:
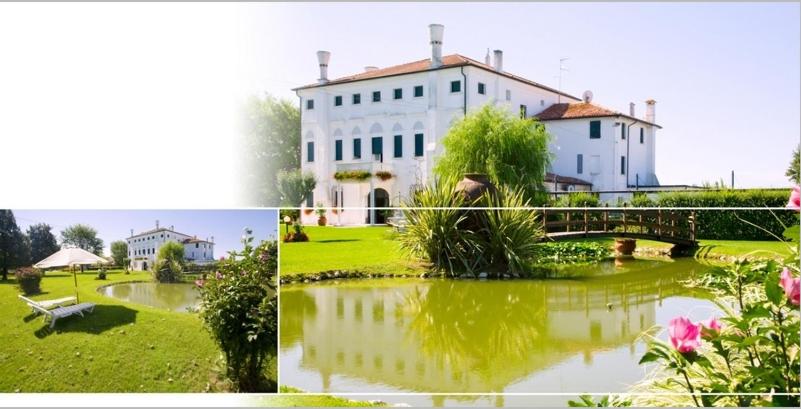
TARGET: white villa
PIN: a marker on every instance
(390, 122)
(143, 247)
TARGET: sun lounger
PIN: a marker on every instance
(62, 312)
(49, 304)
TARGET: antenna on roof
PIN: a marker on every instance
(562, 68)
(487, 58)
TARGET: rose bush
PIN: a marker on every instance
(239, 308)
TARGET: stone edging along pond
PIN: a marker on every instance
(342, 274)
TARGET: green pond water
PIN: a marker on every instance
(180, 297)
(568, 336)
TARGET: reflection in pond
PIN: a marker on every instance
(559, 335)
(175, 297)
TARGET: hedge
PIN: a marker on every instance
(726, 224)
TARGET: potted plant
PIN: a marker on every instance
(320, 210)
(383, 175)
(307, 211)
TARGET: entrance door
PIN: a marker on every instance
(381, 202)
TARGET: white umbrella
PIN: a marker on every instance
(71, 257)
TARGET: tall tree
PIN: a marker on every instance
(82, 236)
(13, 244)
(119, 252)
(794, 170)
(271, 143)
(43, 243)
(510, 150)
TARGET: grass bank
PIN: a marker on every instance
(314, 400)
(373, 249)
(716, 248)
(120, 347)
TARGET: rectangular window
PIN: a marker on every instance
(508, 95)
(482, 89)
(397, 93)
(622, 165)
(338, 149)
(338, 100)
(622, 130)
(357, 148)
(456, 86)
(310, 200)
(418, 144)
(595, 129)
(378, 148)
(309, 104)
(523, 111)
(398, 146)
(357, 99)
(309, 151)
(376, 96)
(642, 135)
(418, 91)
(579, 163)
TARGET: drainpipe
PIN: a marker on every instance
(464, 76)
(628, 160)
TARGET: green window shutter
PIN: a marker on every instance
(309, 151)
(309, 104)
(622, 130)
(418, 144)
(418, 90)
(456, 86)
(357, 148)
(595, 129)
(642, 135)
(398, 145)
(622, 165)
(338, 149)
(357, 99)
(378, 147)
(338, 100)
(398, 93)
(580, 163)
(481, 88)
(310, 200)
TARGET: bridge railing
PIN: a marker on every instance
(653, 222)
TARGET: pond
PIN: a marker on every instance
(180, 297)
(464, 336)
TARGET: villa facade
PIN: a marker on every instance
(144, 247)
(390, 122)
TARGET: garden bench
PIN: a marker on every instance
(62, 312)
(48, 304)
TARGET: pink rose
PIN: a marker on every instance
(795, 199)
(791, 286)
(684, 335)
(199, 283)
(218, 275)
(711, 327)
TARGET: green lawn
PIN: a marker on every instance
(718, 247)
(120, 347)
(311, 400)
(373, 249)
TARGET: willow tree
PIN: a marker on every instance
(510, 150)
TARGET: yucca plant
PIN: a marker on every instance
(436, 230)
(509, 235)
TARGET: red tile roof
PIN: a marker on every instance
(448, 61)
(579, 110)
(565, 179)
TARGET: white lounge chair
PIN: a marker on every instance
(62, 312)
(49, 304)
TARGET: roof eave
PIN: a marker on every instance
(600, 116)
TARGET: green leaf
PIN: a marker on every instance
(649, 357)
(772, 289)
(792, 233)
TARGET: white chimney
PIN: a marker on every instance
(131, 233)
(323, 57)
(487, 58)
(157, 224)
(370, 68)
(436, 32)
(498, 60)
(650, 114)
(631, 110)
(172, 227)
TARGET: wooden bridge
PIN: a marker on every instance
(669, 226)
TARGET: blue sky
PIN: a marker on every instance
(225, 225)
(725, 76)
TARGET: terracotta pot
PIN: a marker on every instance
(474, 185)
(322, 221)
(624, 246)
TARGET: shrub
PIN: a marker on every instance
(294, 186)
(296, 235)
(28, 279)
(641, 200)
(577, 199)
(509, 236)
(169, 264)
(239, 309)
